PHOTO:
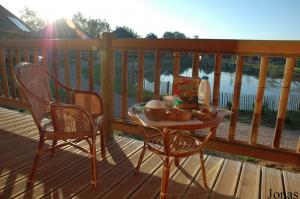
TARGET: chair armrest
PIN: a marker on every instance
(89, 101)
(68, 118)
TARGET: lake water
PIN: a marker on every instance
(249, 83)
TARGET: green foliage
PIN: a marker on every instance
(32, 18)
(174, 35)
(93, 27)
(151, 35)
(126, 32)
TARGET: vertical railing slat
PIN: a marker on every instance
(284, 95)
(236, 97)
(157, 75)
(140, 76)
(196, 63)
(176, 61)
(91, 70)
(12, 74)
(67, 72)
(124, 84)
(78, 69)
(217, 79)
(259, 99)
(4, 73)
(35, 56)
(26, 55)
(55, 73)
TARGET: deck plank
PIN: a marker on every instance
(249, 186)
(292, 183)
(67, 174)
(130, 184)
(151, 188)
(270, 182)
(54, 179)
(213, 166)
(118, 170)
(229, 173)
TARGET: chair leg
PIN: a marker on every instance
(54, 143)
(102, 144)
(203, 170)
(35, 161)
(165, 179)
(93, 163)
(141, 158)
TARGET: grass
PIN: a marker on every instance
(268, 118)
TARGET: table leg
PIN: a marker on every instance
(165, 179)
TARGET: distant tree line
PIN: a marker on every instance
(94, 27)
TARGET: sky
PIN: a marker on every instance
(215, 19)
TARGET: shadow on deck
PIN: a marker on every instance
(67, 173)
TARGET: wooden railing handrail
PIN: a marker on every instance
(86, 44)
(215, 46)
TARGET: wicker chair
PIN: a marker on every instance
(61, 123)
(181, 145)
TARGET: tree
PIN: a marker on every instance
(125, 32)
(151, 35)
(93, 27)
(32, 18)
(174, 35)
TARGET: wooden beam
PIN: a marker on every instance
(140, 76)
(83, 44)
(236, 147)
(236, 97)
(259, 99)
(13, 103)
(284, 96)
(107, 83)
(215, 46)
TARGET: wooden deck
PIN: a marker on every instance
(67, 173)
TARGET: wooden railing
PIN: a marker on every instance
(29, 50)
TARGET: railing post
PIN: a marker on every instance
(107, 83)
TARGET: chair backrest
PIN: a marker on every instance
(34, 84)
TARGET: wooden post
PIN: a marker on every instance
(217, 78)
(236, 97)
(140, 77)
(107, 83)
(157, 76)
(3, 73)
(176, 61)
(284, 96)
(124, 85)
(196, 63)
(259, 99)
